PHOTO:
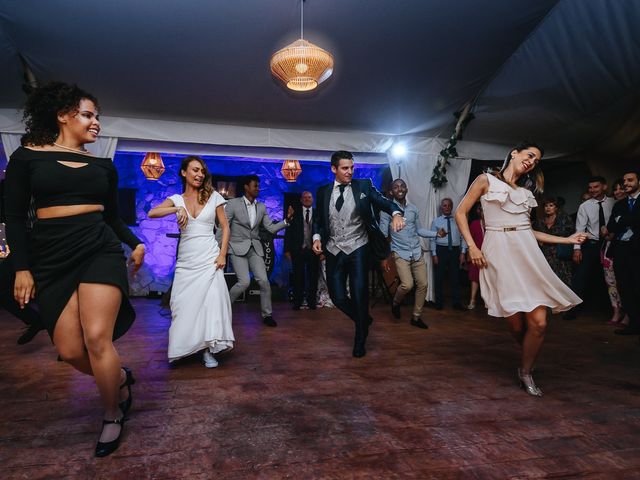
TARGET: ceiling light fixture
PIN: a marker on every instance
(152, 166)
(302, 66)
(290, 170)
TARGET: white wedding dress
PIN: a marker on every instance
(200, 305)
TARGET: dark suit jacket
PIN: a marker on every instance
(366, 196)
(294, 235)
(621, 219)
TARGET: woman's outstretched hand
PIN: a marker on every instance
(578, 238)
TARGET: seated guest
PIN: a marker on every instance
(447, 253)
(555, 222)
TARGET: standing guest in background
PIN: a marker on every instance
(476, 227)
(592, 218)
(298, 249)
(606, 257)
(447, 253)
(406, 251)
(200, 305)
(624, 226)
(344, 226)
(73, 260)
(515, 280)
(558, 224)
(245, 216)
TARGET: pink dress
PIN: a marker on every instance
(518, 277)
(477, 233)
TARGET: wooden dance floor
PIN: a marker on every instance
(291, 402)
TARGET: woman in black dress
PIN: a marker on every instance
(73, 262)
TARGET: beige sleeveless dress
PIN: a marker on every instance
(518, 277)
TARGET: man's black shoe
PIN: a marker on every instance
(358, 350)
(312, 307)
(296, 307)
(395, 310)
(627, 331)
(29, 333)
(457, 306)
(437, 306)
(417, 322)
(569, 315)
(370, 319)
(269, 321)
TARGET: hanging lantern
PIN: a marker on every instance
(290, 170)
(301, 66)
(152, 166)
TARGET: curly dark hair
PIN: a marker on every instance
(44, 105)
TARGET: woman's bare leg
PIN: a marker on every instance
(69, 339)
(99, 305)
(534, 338)
(518, 326)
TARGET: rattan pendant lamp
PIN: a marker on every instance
(302, 66)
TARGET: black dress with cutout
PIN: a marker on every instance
(63, 252)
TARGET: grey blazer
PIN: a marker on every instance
(242, 235)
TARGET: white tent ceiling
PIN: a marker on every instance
(566, 72)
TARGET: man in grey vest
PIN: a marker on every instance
(245, 215)
(344, 224)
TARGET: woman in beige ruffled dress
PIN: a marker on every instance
(516, 281)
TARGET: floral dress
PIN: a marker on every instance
(562, 227)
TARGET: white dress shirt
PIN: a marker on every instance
(587, 218)
(252, 210)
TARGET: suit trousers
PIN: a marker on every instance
(7, 279)
(626, 265)
(588, 270)
(447, 260)
(353, 267)
(305, 261)
(254, 262)
(411, 272)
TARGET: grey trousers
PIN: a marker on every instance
(254, 262)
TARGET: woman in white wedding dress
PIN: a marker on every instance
(200, 305)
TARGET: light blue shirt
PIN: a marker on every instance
(406, 242)
(456, 238)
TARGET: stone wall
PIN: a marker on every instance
(157, 272)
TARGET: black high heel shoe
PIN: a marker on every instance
(125, 405)
(107, 448)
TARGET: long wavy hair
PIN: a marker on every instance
(533, 180)
(206, 189)
(42, 108)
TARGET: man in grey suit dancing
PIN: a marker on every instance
(245, 215)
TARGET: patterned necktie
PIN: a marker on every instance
(601, 222)
(306, 217)
(340, 200)
(631, 202)
(449, 239)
